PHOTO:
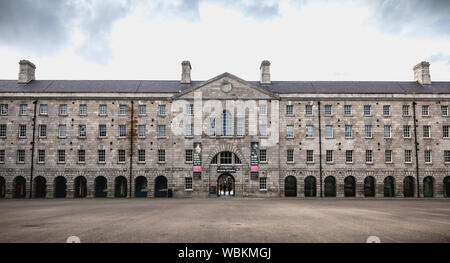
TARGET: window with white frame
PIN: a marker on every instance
(189, 156)
(405, 110)
(289, 110)
(102, 131)
(189, 130)
(308, 110)
(2, 156)
(349, 156)
(82, 131)
(240, 126)
(62, 131)
(41, 156)
(190, 109)
(122, 156)
(348, 131)
(4, 109)
(369, 156)
(426, 131)
(43, 130)
(262, 183)
(368, 131)
(83, 109)
(188, 183)
(263, 155)
(425, 110)
(61, 156)
(141, 156)
(427, 155)
(161, 155)
(101, 156)
(386, 110)
(63, 109)
(445, 133)
(122, 109)
(102, 110)
(328, 131)
(328, 110)
(20, 156)
(348, 110)
(22, 131)
(309, 156)
(329, 156)
(81, 156)
(444, 111)
(262, 109)
(290, 156)
(23, 109)
(43, 109)
(406, 131)
(309, 131)
(162, 110)
(212, 127)
(387, 131)
(227, 123)
(388, 156)
(408, 156)
(262, 129)
(3, 130)
(122, 131)
(290, 131)
(161, 131)
(367, 110)
(447, 156)
(141, 131)
(142, 110)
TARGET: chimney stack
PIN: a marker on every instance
(186, 72)
(26, 71)
(422, 73)
(265, 72)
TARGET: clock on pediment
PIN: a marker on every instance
(226, 87)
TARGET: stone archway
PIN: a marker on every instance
(120, 187)
(408, 186)
(349, 186)
(389, 186)
(290, 186)
(161, 188)
(447, 186)
(369, 186)
(80, 187)
(225, 185)
(428, 186)
(2, 187)
(101, 186)
(141, 187)
(20, 187)
(40, 187)
(60, 186)
(310, 186)
(330, 186)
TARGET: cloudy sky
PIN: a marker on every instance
(148, 39)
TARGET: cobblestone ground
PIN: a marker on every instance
(225, 220)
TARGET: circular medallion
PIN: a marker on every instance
(226, 87)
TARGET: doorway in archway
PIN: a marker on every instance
(225, 185)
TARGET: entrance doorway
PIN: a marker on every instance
(349, 186)
(408, 186)
(40, 186)
(161, 187)
(2, 187)
(100, 185)
(389, 187)
(19, 187)
(60, 187)
(447, 186)
(290, 186)
(330, 186)
(140, 187)
(120, 187)
(80, 187)
(369, 186)
(310, 186)
(428, 186)
(225, 185)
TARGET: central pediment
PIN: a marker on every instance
(227, 86)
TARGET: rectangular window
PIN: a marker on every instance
(308, 110)
(368, 131)
(122, 109)
(62, 131)
(425, 110)
(427, 155)
(290, 131)
(83, 109)
(190, 109)
(102, 131)
(188, 183)
(189, 130)
(102, 110)
(81, 156)
(387, 131)
(445, 133)
(262, 130)
(122, 131)
(122, 156)
(226, 158)
(406, 131)
(408, 156)
(309, 156)
(263, 156)
(369, 157)
(328, 131)
(348, 131)
(3, 130)
(142, 131)
(309, 131)
(367, 110)
(20, 156)
(161, 156)
(23, 109)
(142, 110)
(161, 131)
(405, 110)
(2, 156)
(388, 156)
(141, 156)
(289, 110)
(444, 111)
(290, 156)
(262, 183)
(212, 127)
(349, 156)
(328, 110)
(189, 156)
(387, 110)
(239, 127)
(162, 110)
(262, 109)
(329, 156)
(82, 131)
(426, 131)
(4, 109)
(348, 110)
(101, 156)
(447, 156)
(41, 156)
(22, 131)
(61, 156)
(63, 109)
(43, 109)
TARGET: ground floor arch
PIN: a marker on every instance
(101, 186)
(290, 186)
(60, 187)
(428, 186)
(310, 186)
(161, 189)
(2, 187)
(141, 188)
(120, 187)
(40, 187)
(80, 184)
(408, 186)
(447, 186)
(369, 186)
(20, 187)
(330, 186)
(226, 185)
(349, 186)
(389, 186)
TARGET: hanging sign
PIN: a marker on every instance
(197, 154)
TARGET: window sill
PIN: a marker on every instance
(82, 115)
(188, 162)
(369, 163)
(388, 162)
(330, 163)
(428, 138)
(101, 162)
(103, 115)
(348, 162)
(61, 162)
(102, 137)
(121, 137)
(142, 137)
(142, 115)
(328, 138)
(121, 163)
(290, 138)
(140, 162)
(21, 137)
(81, 162)
(290, 115)
(349, 138)
(368, 138)
(20, 163)
(82, 137)
(263, 190)
(309, 162)
(309, 138)
(188, 190)
(263, 162)
(290, 162)
(408, 162)
(188, 137)
(407, 138)
(162, 115)
(161, 162)
(428, 163)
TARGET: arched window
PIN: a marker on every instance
(226, 158)
(227, 123)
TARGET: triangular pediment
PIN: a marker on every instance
(227, 86)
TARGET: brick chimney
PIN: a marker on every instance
(422, 73)
(265, 72)
(186, 72)
(26, 72)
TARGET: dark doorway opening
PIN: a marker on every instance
(140, 187)
(408, 186)
(290, 186)
(101, 188)
(428, 186)
(389, 187)
(161, 187)
(330, 186)
(40, 187)
(310, 186)
(60, 187)
(20, 187)
(349, 186)
(369, 186)
(225, 184)
(447, 186)
(80, 187)
(120, 187)
(2, 187)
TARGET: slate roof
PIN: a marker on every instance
(174, 86)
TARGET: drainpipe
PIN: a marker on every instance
(131, 147)
(416, 148)
(32, 148)
(320, 149)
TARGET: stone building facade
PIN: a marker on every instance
(223, 137)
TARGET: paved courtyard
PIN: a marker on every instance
(225, 220)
